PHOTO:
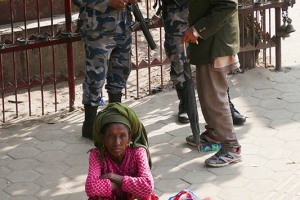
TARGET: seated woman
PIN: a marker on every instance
(119, 166)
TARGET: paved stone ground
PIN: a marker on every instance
(46, 158)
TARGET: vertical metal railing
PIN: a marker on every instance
(278, 39)
(2, 89)
(71, 73)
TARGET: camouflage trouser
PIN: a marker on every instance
(175, 24)
(107, 57)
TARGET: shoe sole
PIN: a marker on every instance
(201, 144)
(191, 144)
(222, 165)
(184, 121)
(239, 122)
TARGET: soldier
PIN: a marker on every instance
(175, 20)
(104, 27)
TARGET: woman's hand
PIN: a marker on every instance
(114, 178)
(114, 186)
(118, 4)
(189, 36)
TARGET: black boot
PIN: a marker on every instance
(182, 115)
(116, 97)
(237, 118)
(90, 113)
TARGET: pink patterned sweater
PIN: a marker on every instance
(137, 177)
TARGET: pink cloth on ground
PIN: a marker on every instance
(137, 177)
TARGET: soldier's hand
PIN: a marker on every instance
(118, 4)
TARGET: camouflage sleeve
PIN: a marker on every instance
(100, 5)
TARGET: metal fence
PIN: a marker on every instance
(261, 31)
(40, 49)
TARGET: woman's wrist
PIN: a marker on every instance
(117, 179)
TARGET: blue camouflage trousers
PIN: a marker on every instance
(107, 58)
(175, 20)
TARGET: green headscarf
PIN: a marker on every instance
(121, 113)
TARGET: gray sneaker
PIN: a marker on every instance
(223, 158)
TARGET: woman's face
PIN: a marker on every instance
(116, 138)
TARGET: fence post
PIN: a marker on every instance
(71, 73)
(278, 39)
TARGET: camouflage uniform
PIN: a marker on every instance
(175, 19)
(106, 34)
